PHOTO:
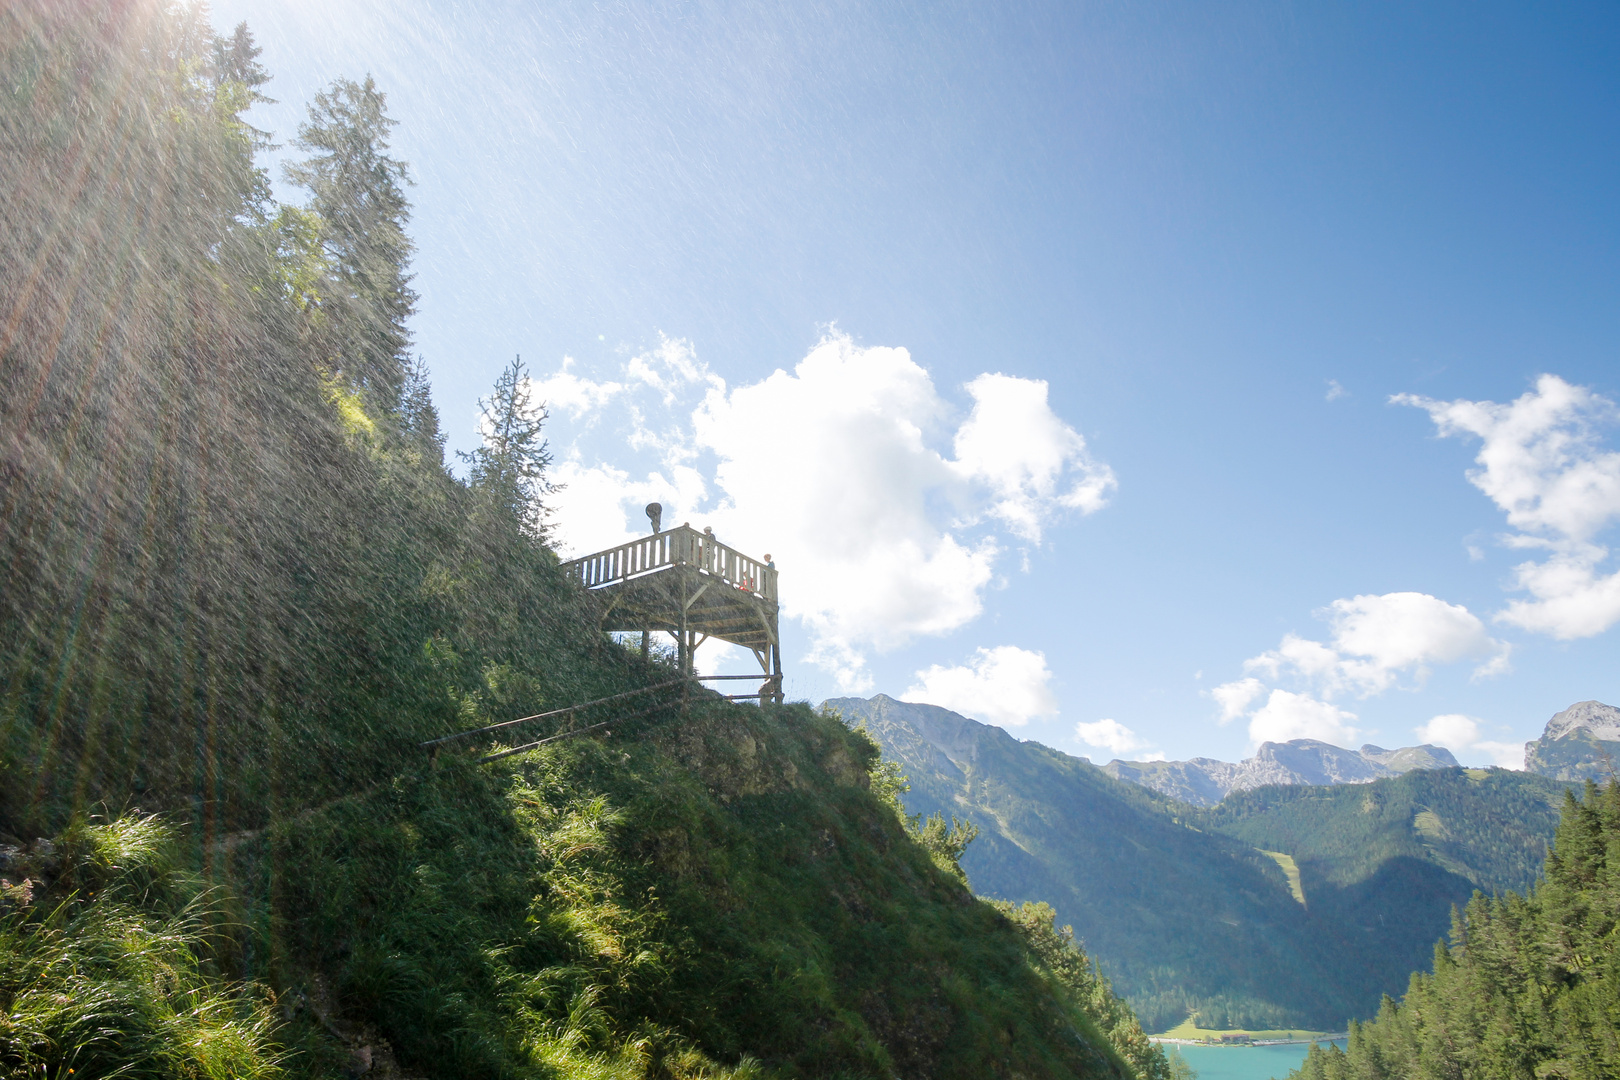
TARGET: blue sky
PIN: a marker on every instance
(1157, 272)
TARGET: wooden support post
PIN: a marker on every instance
(646, 645)
(684, 659)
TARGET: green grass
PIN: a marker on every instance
(106, 966)
(1291, 869)
(714, 890)
(1188, 1030)
(715, 896)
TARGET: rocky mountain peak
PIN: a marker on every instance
(1580, 743)
(1603, 721)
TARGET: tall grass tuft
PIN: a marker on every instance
(105, 967)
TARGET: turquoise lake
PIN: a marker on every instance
(1242, 1062)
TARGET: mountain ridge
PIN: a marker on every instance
(1205, 781)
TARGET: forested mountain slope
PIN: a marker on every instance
(241, 589)
(1490, 826)
(1529, 985)
(1183, 907)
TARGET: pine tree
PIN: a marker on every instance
(419, 419)
(237, 78)
(509, 469)
(358, 194)
(236, 59)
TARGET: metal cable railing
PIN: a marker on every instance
(769, 681)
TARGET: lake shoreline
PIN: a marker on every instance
(1341, 1036)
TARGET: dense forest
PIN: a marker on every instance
(1490, 826)
(1529, 986)
(242, 588)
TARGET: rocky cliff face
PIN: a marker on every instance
(1205, 781)
(1580, 743)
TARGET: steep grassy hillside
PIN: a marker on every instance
(698, 893)
(719, 884)
(1193, 910)
(241, 589)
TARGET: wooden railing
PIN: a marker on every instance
(682, 546)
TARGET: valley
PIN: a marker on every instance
(1289, 906)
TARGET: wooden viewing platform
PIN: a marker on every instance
(686, 583)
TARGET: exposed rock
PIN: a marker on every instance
(1600, 720)
(1580, 743)
(1205, 781)
(1408, 758)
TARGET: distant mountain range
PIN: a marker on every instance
(1283, 906)
(1205, 781)
(1580, 743)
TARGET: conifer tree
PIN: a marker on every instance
(238, 73)
(358, 194)
(236, 59)
(509, 469)
(419, 419)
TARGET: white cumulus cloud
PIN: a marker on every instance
(1378, 638)
(1460, 734)
(1454, 731)
(1031, 460)
(1407, 631)
(1235, 698)
(1288, 715)
(839, 469)
(1573, 599)
(1376, 641)
(1110, 735)
(1542, 463)
(1005, 686)
(829, 467)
